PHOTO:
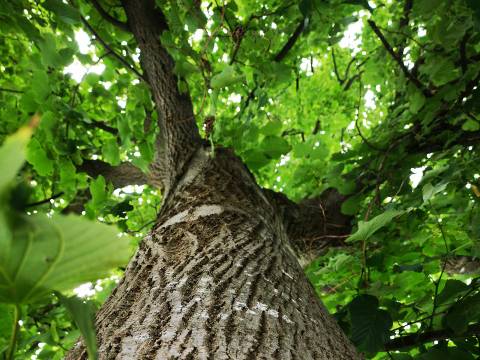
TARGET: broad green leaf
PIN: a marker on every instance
(417, 100)
(367, 229)
(255, 159)
(68, 14)
(471, 125)
(83, 313)
(441, 70)
(37, 156)
(12, 155)
(227, 77)
(111, 151)
(352, 205)
(370, 325)
(462, 313)
(453, 288)
(98, 191)
(50, 55)
(275, 146)
(40, 86)
(430, 191)
(58, 253)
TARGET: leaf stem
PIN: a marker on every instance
(15, 328)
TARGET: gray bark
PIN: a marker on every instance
(217, 279)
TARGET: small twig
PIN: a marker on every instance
(369, 144)
(399, 60)
(101, 125)
(335, 67)
(463, 52)
(45, 201)
(110, 50)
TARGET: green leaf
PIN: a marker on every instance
(66, 13)
(441, 70)
(417, 100)
(471, 125)
(275, 146)
(367, 229)
(83, 313)
(58, 253)
(12, 155)
(98, 191)
(352, 205)
(430, 191)
(255, 159)
(37, 156)
(462, 313)
(370, 325)
(227, 77)
(111, 151)
(40, 85)
(453, 288)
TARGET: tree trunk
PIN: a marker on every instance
(216, 279)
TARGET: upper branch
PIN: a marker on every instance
(120, 176)
(179, 136)
(313, 225)
(120, 58)
(398, 59)
(291, 41)
(108, 17)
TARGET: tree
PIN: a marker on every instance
(216, 112)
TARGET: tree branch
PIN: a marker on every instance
(429, 336)
(101, 125)
(45, 201)
(315, 224)
(114, 21)
(120, 176)
(11, 90)
(291, 41)
(399, 60)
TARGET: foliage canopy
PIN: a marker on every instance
(377, 99)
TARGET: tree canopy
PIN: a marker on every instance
(377, 99)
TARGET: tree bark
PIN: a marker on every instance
(217, 277)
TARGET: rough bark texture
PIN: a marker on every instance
(179, 137)
(217, 279)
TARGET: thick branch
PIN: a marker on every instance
(108, 17)
(429, 336)
(314, 224)
(120, 176)
(179, 136)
